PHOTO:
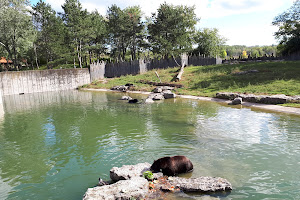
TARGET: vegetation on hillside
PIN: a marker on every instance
(272, 78)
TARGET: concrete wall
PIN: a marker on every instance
(42, 80)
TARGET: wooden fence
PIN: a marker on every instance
(110, 70)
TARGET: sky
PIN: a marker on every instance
(241, 22)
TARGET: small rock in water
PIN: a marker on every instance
(102, 182)
(133, 101)
(126, 98)
(236, 101)
(149, 100)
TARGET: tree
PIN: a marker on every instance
(125, 30)
(171, 29)
(75, 21)
(97, 36)
(209, 42)
(134, 29)
(289, 29)
(117, 32)
(49, 44)
(15, 28)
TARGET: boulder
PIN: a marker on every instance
(133, 101)
(168, 94)
(127, 172)
(161, 89)
(275, 99)
(149, 100)
(157, 90)
(227, 95)
(121, 88)
(201, 184)
(236, 101)
(156, 96)
(135, 188)
(126, 98)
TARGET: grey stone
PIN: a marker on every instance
(168, 94)
(201, 184)
(126, 98)
(236, 101)
(157, 90)
(161, 89)
(137, 188)
(127, 172)
(121, 88)
(227, 95)
(275, 99)
(156, 96)
(149, 100)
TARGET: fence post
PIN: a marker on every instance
(184, 59)
(143, 66)
(97, 70)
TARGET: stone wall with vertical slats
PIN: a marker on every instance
(42, 80)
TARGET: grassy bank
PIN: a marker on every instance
(271, 78)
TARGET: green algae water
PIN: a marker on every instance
(56, 145)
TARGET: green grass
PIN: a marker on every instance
(272, 78)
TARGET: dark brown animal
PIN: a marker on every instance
(171, 166)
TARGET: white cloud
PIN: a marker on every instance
(250, 35)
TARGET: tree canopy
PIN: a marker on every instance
(40, 37)
(171, 29)
(289, 29)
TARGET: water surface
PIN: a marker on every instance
(56, 145)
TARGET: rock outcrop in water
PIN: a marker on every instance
(129, 183)
(265, 99)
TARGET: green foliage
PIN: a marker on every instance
(209, 42)
(125, 30)
(15, 29)
(49, 45)
(236, 51)
(171, 29)
(289, 29)
(148, 175)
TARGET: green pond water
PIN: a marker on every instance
(56, 145)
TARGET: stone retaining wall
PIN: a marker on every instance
(42, 80)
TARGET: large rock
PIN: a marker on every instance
(135, 188)
(122, 88)
(236, 101)
(149, 100)
(168, 94)
(127, 172)
(227, 95)
(201, 184)
(275, 99)
(156, 96)
(126, 98)
(265, 99)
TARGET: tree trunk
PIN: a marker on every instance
(78, 54)
(36, 60)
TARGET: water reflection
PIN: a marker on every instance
(55, 145)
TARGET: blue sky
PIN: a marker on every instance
(242, 22)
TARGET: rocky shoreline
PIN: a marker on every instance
(268, 107)
(127, 182)
(263, 99)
